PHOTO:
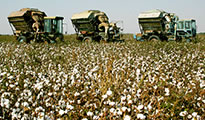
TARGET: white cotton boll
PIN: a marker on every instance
(70, 107)
(111, 103)
(72, 78)
(61, 102)
(149, 106)
(194, 114)
(139, 92)
(119, 112)
(25, 104)
(95, 75)
(78, 75)
(47, 118)
(56, 87)
(199, 98)
(189, 116)
(112, 110)
(11, 85)
(179, 85)
(90, 74)
(78, 101)
(141, 116)
(49, 94)
(105, 102)
(64, 82)
(128, 109)
(130, 102)
(183, 113)
(17, 104)
(167, 92)
(16, 83)
(125, 91)
(155, 87)
(10, 77)
(109, 92)
(161, 98)
(39, 109)
(48, 104)
(76, 94)
(2, 74)
(105, 109)
(40, 118)
(96, 68)
(202, 84)
(89, 113)
(25, 117)
(124, 109)
(129, 97)
(95, 117)
(38, 86)
(140, 107)
(104, 96)
(123, 98)
(5, 102)
(198, 104)
(14, 114)
(138, 71)
(72, 101)
(127, 117)
(198, 117)
(61, 112)
(84, 119)
(75, 70)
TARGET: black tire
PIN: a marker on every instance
(21, 39)
(88, 39)
(60, 38)
(79, 38)
(154, 38)
(188, 40)
(179, 39)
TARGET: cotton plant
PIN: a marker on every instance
(102, 81)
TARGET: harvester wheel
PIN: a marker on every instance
(188, 40)
(179, 39)
(21, 39)
(154, 38)
(87, 39)
(60, 38)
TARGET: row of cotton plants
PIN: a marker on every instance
(102, 81)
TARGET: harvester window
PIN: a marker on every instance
(180, 25)
(187, 24)
(47, 25)
(193, 24)
(59, 26)
(54, 26)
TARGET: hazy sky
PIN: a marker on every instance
(126, 10)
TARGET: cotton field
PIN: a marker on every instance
(92, 81)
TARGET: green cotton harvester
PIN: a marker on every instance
(32, 25)
(158, 25)
(94, 25)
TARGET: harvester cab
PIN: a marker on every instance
(53, 28)
(115, 30)
(187, 29)
(53, 24)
